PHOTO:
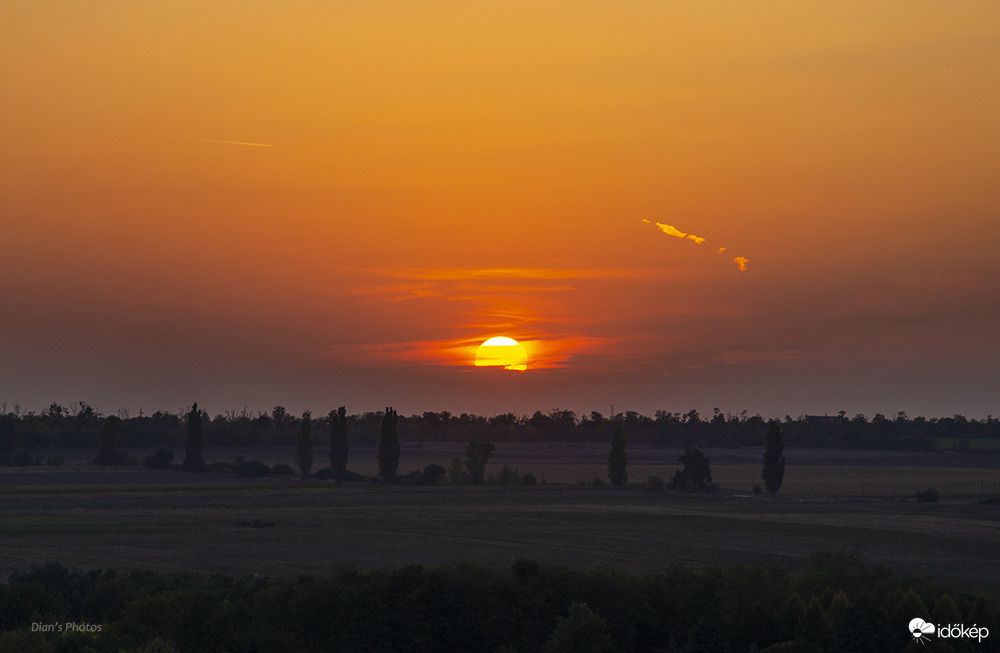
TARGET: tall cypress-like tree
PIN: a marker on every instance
(617, 459)
(774, 458)
(338, 443)
(193, 460)
(388, 447)
(304, 450)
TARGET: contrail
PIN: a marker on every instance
(740, 261)
(216, 140)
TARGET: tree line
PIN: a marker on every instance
(835, 602)
(80, 427)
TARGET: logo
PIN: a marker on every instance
(921, 631)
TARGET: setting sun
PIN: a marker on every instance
(502, 352)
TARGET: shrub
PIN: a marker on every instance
(930, 495)
(756, 488)
(529, 479)
(55, 459)
(252, 469)
(654, 483)
(222, 467)
(509, 476)
(281, 469)
(434, 474)
(161, 459)
(457, 474)
(111, 457)
(21, 458)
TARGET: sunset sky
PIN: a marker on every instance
(316, 204)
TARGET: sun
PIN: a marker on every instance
(502, 352)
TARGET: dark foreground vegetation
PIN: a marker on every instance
(835, 603)
(23, 433)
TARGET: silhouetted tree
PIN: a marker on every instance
(581, 630)
(706, 637)
(388, 447)
(774, 458)
(338, 443)
(8, 438)
(304, 450)
(107, 442)
(193, 460)
(617, 460)
(476, 457)
(696, 474)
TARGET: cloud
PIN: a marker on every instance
(674, 231)
(670, 230)
(475, 274)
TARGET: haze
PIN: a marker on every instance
(437, 174)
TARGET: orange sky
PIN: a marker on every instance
(438, 173)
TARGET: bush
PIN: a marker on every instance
(654, 483)
(416, 477)
(509, 476)
(457, 474)
(252, 469)
(222, 467)
(55, 459)
(756, 489)
(529, 479)
(281, 469)
(930, 495)
(434, 474)
(159, 460)
(111, 457)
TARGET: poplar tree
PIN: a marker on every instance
(388, 447)
(338, 443)
(304, 452)
(617, 459)
(774, 458)
(193, 460)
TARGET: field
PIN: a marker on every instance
(89, 517)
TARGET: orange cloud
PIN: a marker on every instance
(677, 233)
(674, 231)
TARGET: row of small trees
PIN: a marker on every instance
(696, 471)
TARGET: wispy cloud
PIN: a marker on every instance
(473, 274)
(741, 262)
(216, 140)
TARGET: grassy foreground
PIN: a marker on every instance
(196, 526)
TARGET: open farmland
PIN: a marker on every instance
(86, 516)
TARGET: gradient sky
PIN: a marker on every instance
(311, 204)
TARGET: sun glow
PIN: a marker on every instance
(502, 352)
